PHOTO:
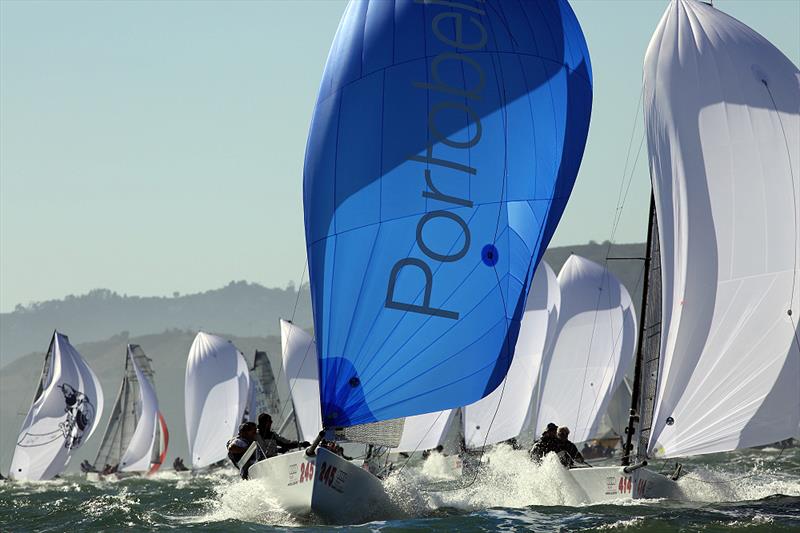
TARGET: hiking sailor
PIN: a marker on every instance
(568, 452)
(238, 445)
(271, 443)
(547, 443)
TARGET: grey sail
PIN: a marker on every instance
(264, 390)
(125, 414)
(649, 354)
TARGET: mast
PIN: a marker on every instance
(640, 355)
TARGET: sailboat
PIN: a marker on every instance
(288, 476)
(217, 390)
(65, 411)
(719, 351)
(592, 349)
(503, 414)
(443, 147)
(136, 438)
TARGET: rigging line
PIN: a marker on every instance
(300, 287)
(281, 370)
(794, 195)
(619, 208)
(617, 339)
(794, 214)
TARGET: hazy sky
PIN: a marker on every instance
(150, 147)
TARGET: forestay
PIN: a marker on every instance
(216, 393)
(299, 353)
(593, 348)
(443, 147)
(722, 110)
(65, 411)
(502, 415)
(133, 430)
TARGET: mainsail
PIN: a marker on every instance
(443, 147)
(299, 353)
(217, 389)
(594, 346)
(502, 415)
(263, 389)
(722, 110)
(132, 437)
(424, 432)
(65, 412)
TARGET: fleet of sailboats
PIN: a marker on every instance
(444, 144)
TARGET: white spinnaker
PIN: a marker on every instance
(138, 454)
(64, 413)
(217, 389)
(425, 431)
(502, 414)
(722, 111)
(593, 347)
(299, 353)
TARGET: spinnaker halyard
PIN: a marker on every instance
(65, 412)
(443, 148)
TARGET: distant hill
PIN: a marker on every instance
(240, 308)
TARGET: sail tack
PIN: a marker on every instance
(217, 390)
(299, 353)
(443, 147)
(64, 414)
(594, 346)
(722, 110)
(502, 415)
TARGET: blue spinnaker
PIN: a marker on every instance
(443, 147)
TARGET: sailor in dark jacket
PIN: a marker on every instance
(238, 445)
(568, 452)
(271, 443)
(547, 443)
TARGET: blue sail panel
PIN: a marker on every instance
(443, 147)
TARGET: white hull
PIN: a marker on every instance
(612, 484)
(289, 478)
(345, 493)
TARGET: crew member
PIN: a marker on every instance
(178, 465)
(238, 445)
(271, 443)
(547, 443)
(568, 452)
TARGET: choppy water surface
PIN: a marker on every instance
(753, 490)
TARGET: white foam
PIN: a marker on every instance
(244, 500)
(508, 478)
